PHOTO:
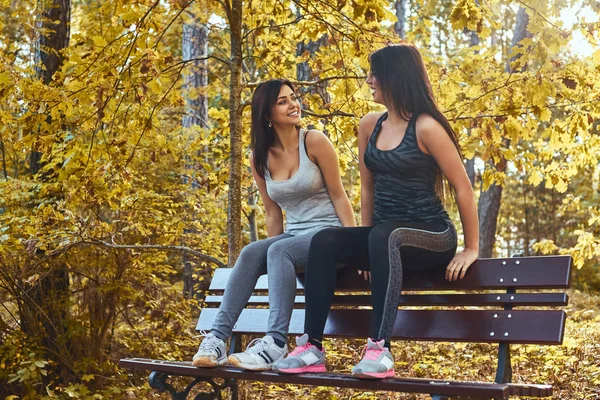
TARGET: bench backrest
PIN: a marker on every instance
(478, 308)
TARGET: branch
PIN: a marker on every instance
(171, 23)
(564, 33)
(148, 123)
(332, 114)
(522, 110)
(184, 62)
(97, 242)
(311, 83)
(272, 26)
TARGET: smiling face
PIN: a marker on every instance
(375, 88)
(286, 110)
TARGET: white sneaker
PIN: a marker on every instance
(211, 353)
(260, 355)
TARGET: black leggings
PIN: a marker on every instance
(384, 249)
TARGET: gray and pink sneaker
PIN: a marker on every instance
(377, 362)
(306, 357)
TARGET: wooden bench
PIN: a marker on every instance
(491, 317)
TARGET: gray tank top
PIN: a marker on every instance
(303, 197)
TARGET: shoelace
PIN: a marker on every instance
(210, 344)
(301, 349)
(261, 344)
(371, 354)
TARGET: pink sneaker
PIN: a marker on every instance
(306, 357)
(377, 363)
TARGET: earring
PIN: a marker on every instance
(270, 124)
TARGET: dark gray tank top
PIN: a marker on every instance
(303, 197)
(404, 180)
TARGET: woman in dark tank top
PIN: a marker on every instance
(405, 155)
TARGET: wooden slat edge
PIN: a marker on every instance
(417, 385)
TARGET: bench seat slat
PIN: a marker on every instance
(544, 272)
(399, 384)
(498, 300)
(523, 326)
(415, 385)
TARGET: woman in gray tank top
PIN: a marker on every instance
(296, 172)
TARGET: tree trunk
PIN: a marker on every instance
(45, 311)
(519, 33)
(53, 37)
(234, 218)
(399, 26)
(470, 167)
(305, 73)
(489, 201)
(252, 216)
(526, 208)
(489, 205)
(194, 47)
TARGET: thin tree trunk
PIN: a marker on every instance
(305, 73)
(489, 205)
(54, 27)
(252, 216)
(3, 160)
(46, 309)
(400, 25)
(194, 47)
(234, 218)
(553, 217)
(470, 167)
(526, 208)
(489, 201)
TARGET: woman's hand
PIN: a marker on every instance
(460, 263)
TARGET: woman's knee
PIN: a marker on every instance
(325, 240)
(380, 235)
(252, 253)
(251, 249)
(279, 251)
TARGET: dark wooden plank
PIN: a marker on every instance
(530, 390)
(494, 300)
(485, 326)
(491, 273)
(411, 385)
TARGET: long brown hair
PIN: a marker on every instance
(405, 86)
(262, 135)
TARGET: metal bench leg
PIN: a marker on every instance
(158, 381)
(504, 370)
(235, 346)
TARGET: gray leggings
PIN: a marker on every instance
(279, 257)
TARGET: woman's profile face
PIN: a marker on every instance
(375, 88)
(286, 110)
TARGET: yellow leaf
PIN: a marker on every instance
(545, 114)
(535, 178)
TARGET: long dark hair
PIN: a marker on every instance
(405, 86)
(261, 135)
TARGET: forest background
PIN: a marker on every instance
(124, 178)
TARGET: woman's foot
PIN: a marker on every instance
(211, 353)
(377, 362)
(260, 355)
(306, 357)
